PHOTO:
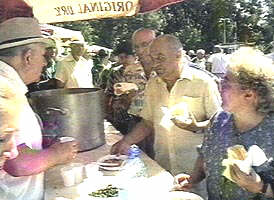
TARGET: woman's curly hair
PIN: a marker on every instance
(254, 71)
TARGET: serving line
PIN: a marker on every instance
(54, 186)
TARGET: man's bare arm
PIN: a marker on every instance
(140, 132)
(30, 162)
(185, 182)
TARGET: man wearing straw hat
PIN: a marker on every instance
(22, 58)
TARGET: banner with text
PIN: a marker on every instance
(50, 11)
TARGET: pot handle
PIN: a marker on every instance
(63, 111)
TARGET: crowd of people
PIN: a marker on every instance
(157, 95)
(216, 62)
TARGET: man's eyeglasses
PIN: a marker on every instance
(142, 45)
(158, 58)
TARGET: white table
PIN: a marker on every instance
(54, 186)
(55, 189)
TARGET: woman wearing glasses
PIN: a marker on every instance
(248, 120)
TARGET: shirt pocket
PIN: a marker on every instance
(195, 105)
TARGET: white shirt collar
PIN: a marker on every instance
(186, 73)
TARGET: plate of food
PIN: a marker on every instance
(124, 88)
(107, 192)
(104, 188)
(112, 162)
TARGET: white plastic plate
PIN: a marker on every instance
(111, 166)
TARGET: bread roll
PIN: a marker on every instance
(237, 152)
(180, 109)
(124, 88)
(236, 155)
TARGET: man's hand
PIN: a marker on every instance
(189, 123)
(251, 182)
(182, 122)
(31, 161)
(120, 147)
(64, 152)
(182, 182)
(139, 132)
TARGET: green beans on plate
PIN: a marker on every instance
(109, 191)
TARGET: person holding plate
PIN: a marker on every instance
(247, 122)
(177, 90)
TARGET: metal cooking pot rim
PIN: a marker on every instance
(75, 112)
(66, 91)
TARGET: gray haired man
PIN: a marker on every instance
(22, 58)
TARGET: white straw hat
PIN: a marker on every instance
(20, 31)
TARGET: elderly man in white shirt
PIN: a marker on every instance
(74, 71)
(218, 62)
(192, 91)
(22, 58)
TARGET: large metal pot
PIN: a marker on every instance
(75, 112)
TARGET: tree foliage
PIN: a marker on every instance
(198, 24)
(106, 32)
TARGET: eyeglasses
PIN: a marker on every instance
(142, 45)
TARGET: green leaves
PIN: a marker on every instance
(196, 22)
